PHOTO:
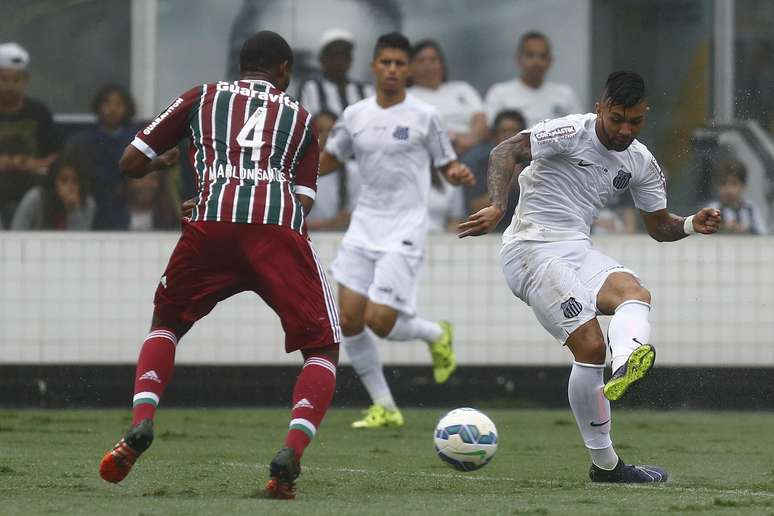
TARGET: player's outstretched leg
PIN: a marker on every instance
(153, 373)
(366, 362)
(439, 337)
(633, 356)
(312, 396)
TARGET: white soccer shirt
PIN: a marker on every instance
(457, 101)
(572, 176)
(394, 149)
(551, 100)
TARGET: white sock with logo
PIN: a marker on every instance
(629, 328)
(414, 327)
(592, 412)
(364, 355)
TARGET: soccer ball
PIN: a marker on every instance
(466, 439)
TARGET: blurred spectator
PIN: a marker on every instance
(507, 123)
(738, 215)
(101, 148)
(331, 207)
(530, 93)
(28, 140)
(149, 206)
(62, 202)
(334, 91)
(446, 205)
(458, 102)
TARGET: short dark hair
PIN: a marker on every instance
(533, 34)
(509, 114)
(263, 51)
(419, 46)
(729, 168)
(624, 88)
(392, 40)
(108, 89)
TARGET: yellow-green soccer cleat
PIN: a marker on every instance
(635, 369)
(377, 417)
(444, 361)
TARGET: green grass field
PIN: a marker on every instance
(215, 462)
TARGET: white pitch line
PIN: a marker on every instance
(545, 483)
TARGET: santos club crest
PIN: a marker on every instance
(621, 181)
(571, 308)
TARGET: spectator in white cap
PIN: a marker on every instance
(28, 139)
(334, 90)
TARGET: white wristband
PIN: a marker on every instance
(688, 226)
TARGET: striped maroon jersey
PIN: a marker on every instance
(252, 146)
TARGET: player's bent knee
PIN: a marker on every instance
(379, 324)
(350, 325)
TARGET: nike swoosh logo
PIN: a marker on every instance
(599, 424)
(582, 163)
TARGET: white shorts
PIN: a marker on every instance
(559, 280)
(385, 278)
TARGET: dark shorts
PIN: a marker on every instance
(215, 260)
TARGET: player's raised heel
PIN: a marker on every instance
(117, 463)
(625, 474)
(635, 369)
(377, 417)
(442, 351)
(283, 470)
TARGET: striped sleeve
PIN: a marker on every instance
(309, 165)
(169, 127)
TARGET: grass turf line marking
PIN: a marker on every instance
(546, 483)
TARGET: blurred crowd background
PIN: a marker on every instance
(78, 78)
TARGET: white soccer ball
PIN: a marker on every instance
(466, 439)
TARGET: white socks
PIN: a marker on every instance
(629, 322)
(364, 355)
(592, 412)
(411, 328)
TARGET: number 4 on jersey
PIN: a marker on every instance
(255, 125)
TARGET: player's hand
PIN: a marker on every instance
(459, 174)
(706, 221)
(187, 207)
(481, 222)
(167, 159)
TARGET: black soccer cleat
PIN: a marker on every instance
(636, 367)
(283, 470)
(117, 463)
(625, 474)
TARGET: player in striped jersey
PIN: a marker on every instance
(256, 158)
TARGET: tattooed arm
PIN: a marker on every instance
(504, 160)
(668, 227)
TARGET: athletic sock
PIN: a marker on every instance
(629, 328)
(364, 355)
(414, 327)
(154, 371)
(592, 412)
(312, 396)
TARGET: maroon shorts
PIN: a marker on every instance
(215, 260)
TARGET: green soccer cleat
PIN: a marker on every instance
(444, 361)
(635, 369)
(377, 417)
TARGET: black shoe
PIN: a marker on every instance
(284, 470)
(623, 473)
(635, 369)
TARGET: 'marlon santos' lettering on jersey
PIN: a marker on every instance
(252, 146)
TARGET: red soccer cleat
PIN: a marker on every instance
(284, 470)
(118, 462)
